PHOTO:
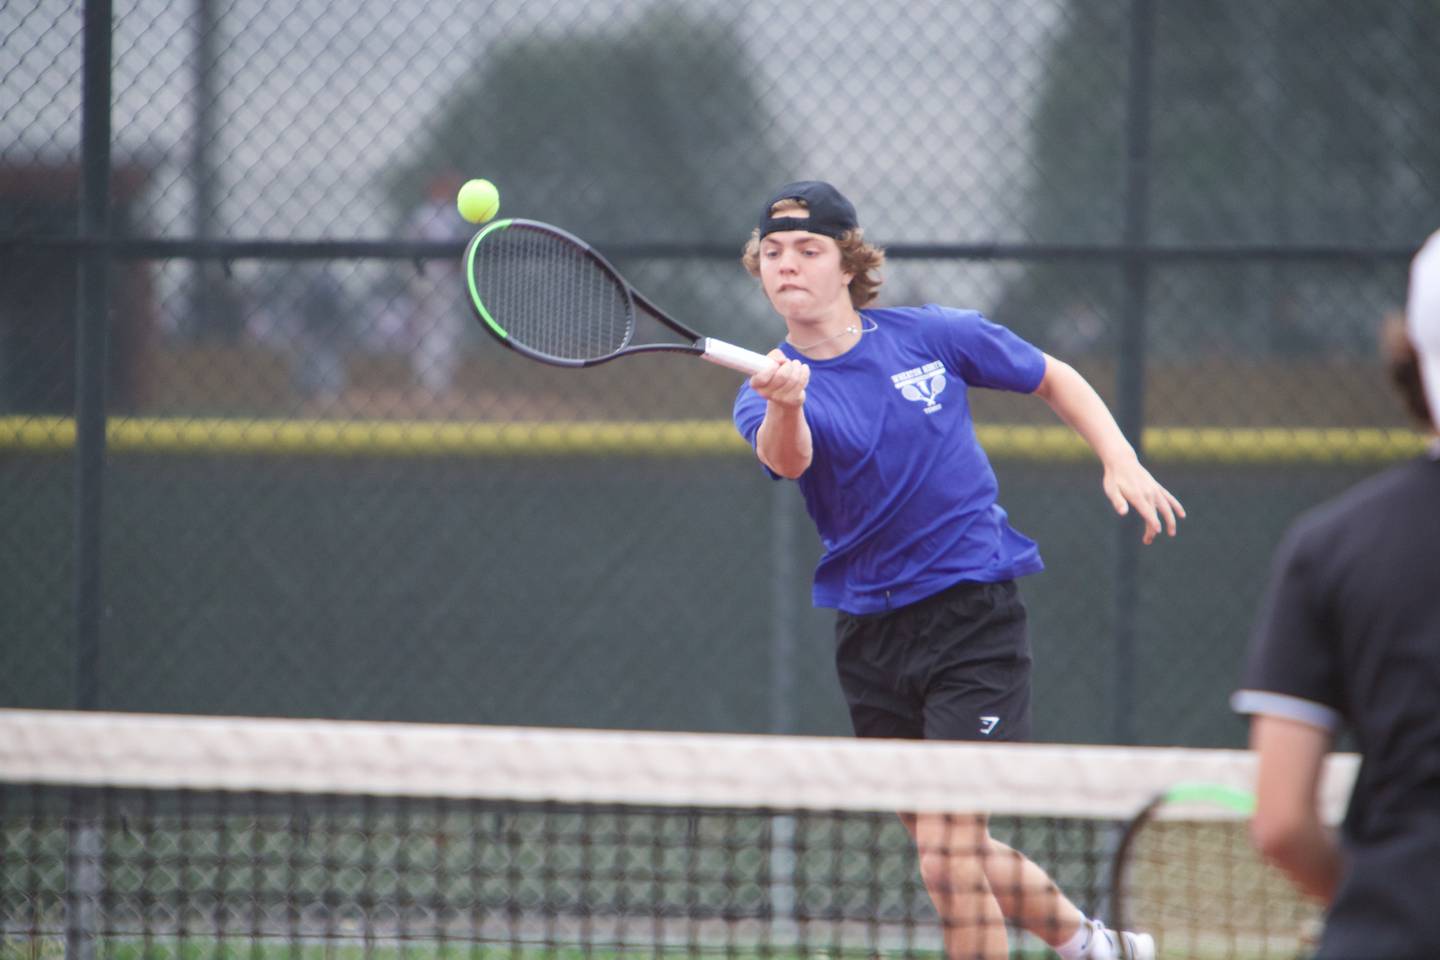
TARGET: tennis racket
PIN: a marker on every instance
(1187, 874)
(551, 296)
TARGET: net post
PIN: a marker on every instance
(83, 864)
(83, 876)
(782, 702)
(1130, 374)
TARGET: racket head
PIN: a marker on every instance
(548, 294)
(1187, 874)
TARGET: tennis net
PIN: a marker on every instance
(142, 836)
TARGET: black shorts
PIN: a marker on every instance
(954, 666)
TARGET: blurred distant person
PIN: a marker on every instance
(1349, 638)
(303, 313)
(439, 312)
(322, 309)
(388, 311)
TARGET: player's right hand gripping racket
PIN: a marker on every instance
(1187, 874)
(551, 296)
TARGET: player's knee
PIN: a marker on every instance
(945, 872)
(952, 852)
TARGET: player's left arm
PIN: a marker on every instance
(1287, 827)
(1126, 482)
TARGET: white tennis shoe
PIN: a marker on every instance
(1118, 944)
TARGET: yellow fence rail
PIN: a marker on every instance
(416, 438)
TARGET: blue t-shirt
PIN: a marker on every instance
(899, 488)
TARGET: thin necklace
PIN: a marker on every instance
(850, 329)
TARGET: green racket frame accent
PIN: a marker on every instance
(470, 275)
(1240, 801)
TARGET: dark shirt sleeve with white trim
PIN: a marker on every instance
(1293, 668)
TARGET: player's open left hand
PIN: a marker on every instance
(1131, 485)
(783, 383)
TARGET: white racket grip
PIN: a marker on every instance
(729, 355)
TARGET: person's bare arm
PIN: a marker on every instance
(783, 443)
(1287, 827)
(1126, 481)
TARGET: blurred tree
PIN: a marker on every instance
(1290, 122)
(650, 134)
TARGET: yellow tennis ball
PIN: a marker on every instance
(478, 200)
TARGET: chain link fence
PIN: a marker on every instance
(320, 492)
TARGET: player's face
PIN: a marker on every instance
(802, 276)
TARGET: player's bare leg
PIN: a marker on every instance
(977, 883)
(953, 851)
(1028, 897)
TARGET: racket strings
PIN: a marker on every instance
(550, 296)
(1200, 889)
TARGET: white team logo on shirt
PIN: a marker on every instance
(922, 384)
(988, 724)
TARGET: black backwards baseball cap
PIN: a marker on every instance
(831, 215)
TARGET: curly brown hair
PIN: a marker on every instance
(1402, 366)
(860, 259)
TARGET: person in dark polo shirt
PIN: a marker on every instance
(1348, 638)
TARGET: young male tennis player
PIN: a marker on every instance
(867, 410)
(1349, 636)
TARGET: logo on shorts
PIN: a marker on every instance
(987, 724)
(922, 384)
